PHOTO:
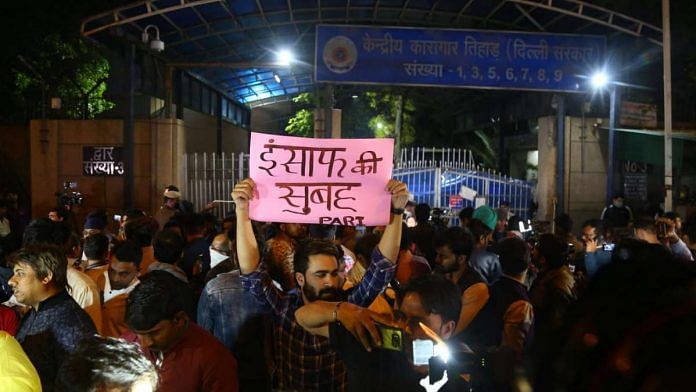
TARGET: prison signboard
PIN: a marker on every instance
(456, 58)
(327, 181)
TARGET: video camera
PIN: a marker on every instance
(69, 197)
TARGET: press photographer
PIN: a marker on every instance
(380, 354)
(65, 205)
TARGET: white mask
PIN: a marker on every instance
(216, 258)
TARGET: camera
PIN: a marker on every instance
(394, 339)
(69, 197)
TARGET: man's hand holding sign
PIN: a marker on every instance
(335, 181)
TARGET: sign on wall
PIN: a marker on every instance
(635, 180)
(640, 115)
(328, 181)
(102, 161)
(464, 58)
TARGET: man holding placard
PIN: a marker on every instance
(305, 361)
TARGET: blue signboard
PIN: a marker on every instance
(455, 58)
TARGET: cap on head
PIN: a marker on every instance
(486, 215)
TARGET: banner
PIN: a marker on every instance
(327, 181)
(456, 58)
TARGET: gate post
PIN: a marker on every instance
(438, 186)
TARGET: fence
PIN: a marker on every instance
(433, 178)
(211, 176)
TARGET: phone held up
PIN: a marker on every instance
(394, 339)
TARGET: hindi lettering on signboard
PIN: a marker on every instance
(102, 161)
(327, 181)
(456, 58)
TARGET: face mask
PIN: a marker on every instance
(618, 204)
(216, 258)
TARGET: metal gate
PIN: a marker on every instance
(211, 176)
(434, 181)
(432, 175)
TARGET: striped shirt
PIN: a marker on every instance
(306, 362)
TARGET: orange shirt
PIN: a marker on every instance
(113, 307)
(95, 271)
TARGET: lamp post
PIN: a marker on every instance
(667, 69)
(600, 81)
(611, 143)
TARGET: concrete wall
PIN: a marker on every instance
(158, 146)
(234, 138)
(14, 158)
(546, 185)
(271, 118)
(201, 131)
(585, 173)
(201, 134)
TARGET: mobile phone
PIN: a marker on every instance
(423, 350)
(609, 247)
(392, 338)
(117, 218)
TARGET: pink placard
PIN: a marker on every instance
(329, 181)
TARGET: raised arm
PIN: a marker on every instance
(247, 248)
(389, 244)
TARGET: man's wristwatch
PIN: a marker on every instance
(397, 211)
(334, 314)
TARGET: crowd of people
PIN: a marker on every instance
(180, 301)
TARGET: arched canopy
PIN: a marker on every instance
(232, 43)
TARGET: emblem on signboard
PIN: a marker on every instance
(340, 54)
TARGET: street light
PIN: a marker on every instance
(285, 57)
(599, 80)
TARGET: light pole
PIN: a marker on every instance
(667, 69)
(601, 81)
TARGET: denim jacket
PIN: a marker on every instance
(235, 318)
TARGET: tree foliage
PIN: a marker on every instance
(302, 123)
(376, 110)
(69, 69)
(383, 124)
